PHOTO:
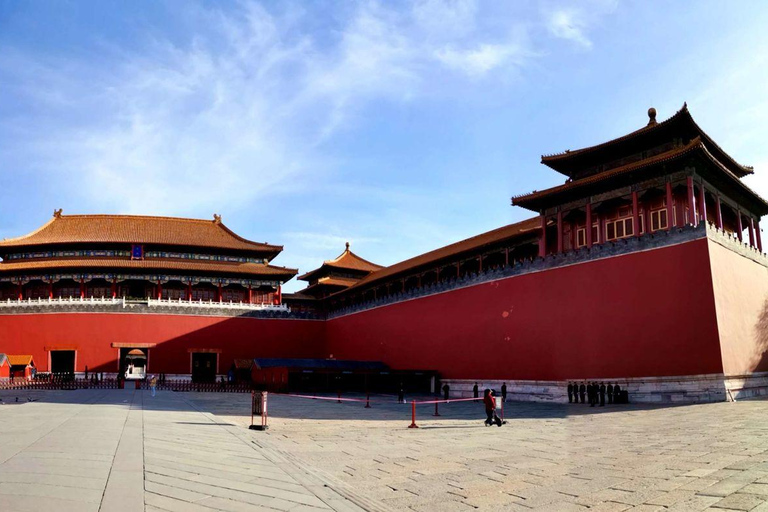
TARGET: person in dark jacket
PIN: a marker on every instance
(609, 389)
(504, 392)
(490, 409)
(446, 391)
(582, 392)
(602, 394)
(570, 393)
(591, 393)
(476, 391)
(617, 393)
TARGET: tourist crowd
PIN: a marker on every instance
(596, 393)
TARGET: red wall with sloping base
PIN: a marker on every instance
(741, 298)
(92, 334)
(642, 314)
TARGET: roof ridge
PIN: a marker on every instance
(696, 142)
(405, 263)
(133, 216)
(649, 127)
(96, 225)
(347, 251)
(242, 239)
(31, 233)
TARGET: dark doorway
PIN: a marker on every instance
(204, 366)
(62, 361)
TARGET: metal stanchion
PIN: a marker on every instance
(413, 416)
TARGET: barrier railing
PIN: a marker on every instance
(215, 304)
(54, 382)
(367, 401)
(150, 302)
(62, 301)
(414, 403)
(58, 384)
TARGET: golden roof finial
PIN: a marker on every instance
(651, 116)
(347, 245)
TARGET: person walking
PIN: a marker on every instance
(602, 394)
(401, 395)
(504, 392)
(153, 384)
(490, 409)
(582, 391)
(446, 391)
(570, 392)
(476, 390)
(609, 389)
(617, 393)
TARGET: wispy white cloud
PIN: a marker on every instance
(228, 117)
(573, 21)
(568, 23)
(245, 108)
(477, 62)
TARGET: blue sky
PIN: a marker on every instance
(399, 126)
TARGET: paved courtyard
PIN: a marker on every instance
(124, 450)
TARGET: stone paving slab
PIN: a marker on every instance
(548, 456)
(124, 450)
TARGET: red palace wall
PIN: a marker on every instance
(92, 335)
(642, 314)
(741, 298)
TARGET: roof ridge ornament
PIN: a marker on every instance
(652, 117)
(347, 246)
(216, 218)
(57, 213)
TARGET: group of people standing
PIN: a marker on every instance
(594, 392)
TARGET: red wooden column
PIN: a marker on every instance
(189, 291)
(480, 265)
(739, 226)
(719, 214)
(702, 203)
(635, 214)
(21, 291)
(670, 212)
(114, 289)
(50, 290)
(559, 232)
(219, 294)
(588, 228)
(691, 202)
(250, 294)
(543, 239)
(751, 228)
(458, 273)
(757, 236)
(506, 261)
(82, 288)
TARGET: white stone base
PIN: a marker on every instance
(660, 390)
